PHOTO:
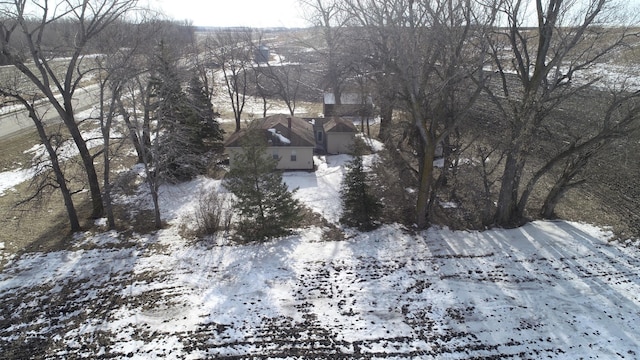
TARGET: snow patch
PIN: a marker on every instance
(280, 137)
(374, 145)
(10, 179)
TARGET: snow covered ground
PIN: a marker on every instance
(548, 289)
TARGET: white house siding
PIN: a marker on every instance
(304, 157)
(339, 142)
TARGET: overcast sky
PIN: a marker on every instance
(252, 13)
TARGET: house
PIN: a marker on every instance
(290, 139)
(339, 135)
(334, 135)
(353, 106)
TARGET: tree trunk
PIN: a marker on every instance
(507, 208)
(157, 220)
(238, 122)
(111, 223)
(563, 184)
(152, 181)
(146, 128)
(487, 213)
(337, 91)
(106, 136)
(97, 208)
(386, 113)
(528, 190)
(60, 179)
(153, 178)
(553, 197)
(264, 106)
(133, 134)
(426, 176)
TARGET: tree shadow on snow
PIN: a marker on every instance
(58, 297)
(546, 288)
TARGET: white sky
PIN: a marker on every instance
(252, 13)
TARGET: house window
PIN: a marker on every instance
(294, 156)
(275, 156)
(319, 136)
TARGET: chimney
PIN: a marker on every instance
(289, 123)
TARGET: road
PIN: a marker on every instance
(19, 121)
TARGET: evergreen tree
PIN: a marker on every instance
(179, 154)
(360, 208)
(209, 126)
(266, 207)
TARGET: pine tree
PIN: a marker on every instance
(266, 207)
(360, 208)
(179, 154)
(209, 126)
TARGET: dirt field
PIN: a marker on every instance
(546, 290)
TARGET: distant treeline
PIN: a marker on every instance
(60, 38)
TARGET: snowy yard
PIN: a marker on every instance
(548, 289)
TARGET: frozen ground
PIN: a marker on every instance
(548, 289)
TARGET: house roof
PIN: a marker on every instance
(277, 132)
(337, 124)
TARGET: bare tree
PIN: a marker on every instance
(33, 20)
(113, 74)
(613, 115)
(232, 51)
(157, 112)
(348, 53)
(434, 49)
(135, 102)
(55, 162)
(334, 46)
(136, 108)
(262, 89)
(282, 80)
(106, 114)
(567, 38)
(346, 50)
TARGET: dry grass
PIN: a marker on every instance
(36, 226)
(42, 224)
(609, 198)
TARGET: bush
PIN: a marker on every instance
(212, 213)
